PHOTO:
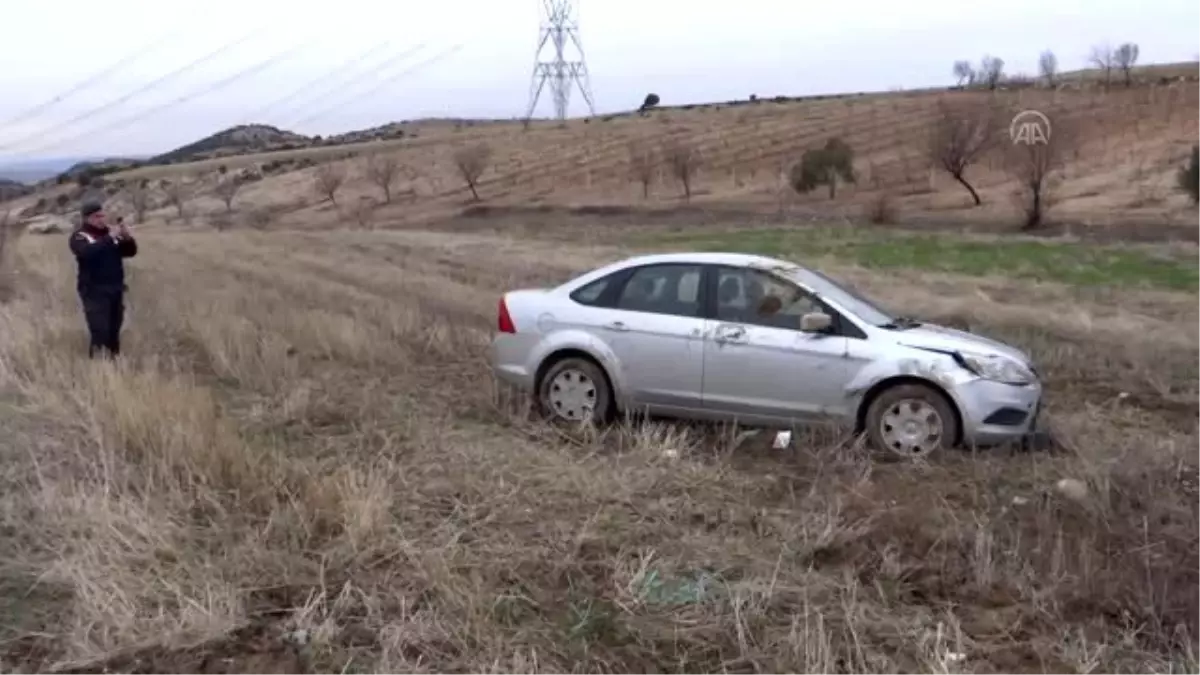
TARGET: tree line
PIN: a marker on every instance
(989, 72)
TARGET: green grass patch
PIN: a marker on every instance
(1071, 263)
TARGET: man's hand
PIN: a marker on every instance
(122, 230)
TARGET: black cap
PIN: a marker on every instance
(89, 208)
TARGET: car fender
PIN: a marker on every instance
(579, 340)
(941, 372)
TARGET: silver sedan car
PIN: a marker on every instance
(759, 341)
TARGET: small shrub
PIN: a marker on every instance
(824, 166)
(363, 213)
(260, 218)
(221, 221)
(881, 210)
(1188, 177)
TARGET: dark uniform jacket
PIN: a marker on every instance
(101, 260)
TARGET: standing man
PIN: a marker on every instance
(101, 252)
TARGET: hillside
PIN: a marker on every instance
(241, 139)
(1120, 171)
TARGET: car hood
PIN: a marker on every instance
(933, 336)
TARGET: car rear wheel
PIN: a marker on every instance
(911, 421)
(574, 390)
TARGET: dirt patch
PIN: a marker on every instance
(253, 649)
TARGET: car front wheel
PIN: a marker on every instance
(911, 421)
(574, 390)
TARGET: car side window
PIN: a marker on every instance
(591, 293)
(663, 289)
(757, 298)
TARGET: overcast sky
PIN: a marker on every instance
(683, 51)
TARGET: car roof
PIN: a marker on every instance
(814, 280)
(708, 258)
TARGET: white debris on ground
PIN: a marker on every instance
(47, 224)
(1072, 489)
(782, 440)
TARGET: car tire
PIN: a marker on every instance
(911, 421)
(571, 386)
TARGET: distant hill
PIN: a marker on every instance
(239, 140)
(255, 138)
(11, 189)
(105, 165)
(35, 170)
(406, 128)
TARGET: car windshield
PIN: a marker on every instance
(846, 298)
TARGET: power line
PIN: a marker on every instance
(142, 89)
(90, 80)
(220, 84)
(381, 84)
(308, 87)
(357, 79)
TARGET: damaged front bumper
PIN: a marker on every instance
(995, 413)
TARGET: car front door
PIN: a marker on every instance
(655, 328)
(758, 365)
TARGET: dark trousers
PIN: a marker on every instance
(104, 312)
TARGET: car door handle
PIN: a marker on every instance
(731, 334)
(618, 326)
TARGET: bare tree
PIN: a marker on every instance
(1103, 58)
(383, 170)
(7, 235)
(226, 189)
(139, 199)
(1126, 58)
(177, 195)
(643, 162)
(964, 72)
(961, 135)
(1035, 166)
(327, 180)
(1048, 67)
(991, 71)
(683, 160)
(472, 161)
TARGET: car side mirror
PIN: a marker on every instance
(815, 322)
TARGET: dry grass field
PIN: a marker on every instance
(301, 466)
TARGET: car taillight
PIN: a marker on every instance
(504, 322)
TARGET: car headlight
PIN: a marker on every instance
(997, 368)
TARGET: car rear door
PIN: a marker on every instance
(655, 327)
(758, 365)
